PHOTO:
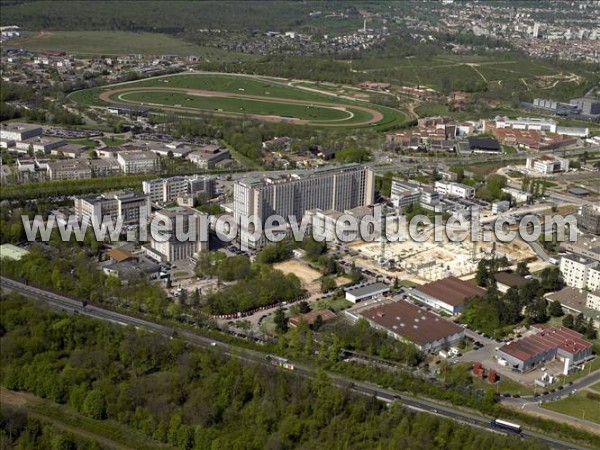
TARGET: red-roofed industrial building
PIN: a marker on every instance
(545, 345)
(407, 322)
(450, 295)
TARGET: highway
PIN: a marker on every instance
(386, 395)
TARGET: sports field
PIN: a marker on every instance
(243, 96)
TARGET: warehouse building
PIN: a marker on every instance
(365, 291)
(450, 295)
(409, 323)
(547, 344)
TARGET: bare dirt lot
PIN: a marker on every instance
(307, 275)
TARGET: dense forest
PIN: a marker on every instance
(197, 399)
(171, 17)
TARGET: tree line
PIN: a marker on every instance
(197, 399)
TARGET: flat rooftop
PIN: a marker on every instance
(451, 290)
(20, 127)
(545, 340)
(362, 290)
(411, 322)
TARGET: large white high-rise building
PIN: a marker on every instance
(336, 189)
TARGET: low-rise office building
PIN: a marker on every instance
(138, 162)
(69, 170)
(15, 131)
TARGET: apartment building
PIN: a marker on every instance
(593, 300)
(138, 162)
(454, 189)
(69, 170)
(130, 206)
(336, 189)
(187, 237)
(580, 272)
(170, 189)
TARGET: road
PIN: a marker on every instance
(386, 395)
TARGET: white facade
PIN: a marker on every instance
(69, 170)
(129, 206)
(547, 164)
(528, 123)
(138, 162)
(593, 300)
(404, 193)
(337, 189)
(576, 270)
(13, 131)
(454, 189)
(170, 189)
(188, 235)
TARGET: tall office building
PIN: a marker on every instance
(337, 189)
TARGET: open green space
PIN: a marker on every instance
(269, 98)
(113, 43)
(236, 105)
(582, 405)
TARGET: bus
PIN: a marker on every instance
(498, 423)
(280, 362)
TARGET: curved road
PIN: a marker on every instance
(386, 395)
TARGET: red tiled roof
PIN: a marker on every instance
(547, 339)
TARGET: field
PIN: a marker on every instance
(502, 74)
(241, 96)
(582, 405)
(307, 276)
(113, 43)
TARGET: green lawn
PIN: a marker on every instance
(582, 405)
(240, 106)
(113, 43)
(247, 85)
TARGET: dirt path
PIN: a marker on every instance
(376, 116)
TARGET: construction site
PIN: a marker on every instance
(434, 260)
